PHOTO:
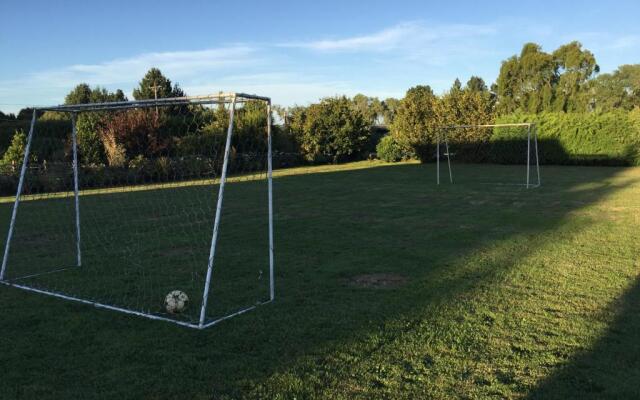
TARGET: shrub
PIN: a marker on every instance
(12, 158)
(90, 147)
(332, 131)
(417, 120)
(389, 150)
(128, 134)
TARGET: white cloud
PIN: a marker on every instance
(409, 34)
(626, 42)
(177, 64)
(283, 88)
(50, 86)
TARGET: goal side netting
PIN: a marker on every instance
(136, 200)
(494, 154)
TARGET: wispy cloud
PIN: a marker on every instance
(382, 63)
(181, 66)
(285, 88)
(177, 64)
(403, 35)
(626, 42)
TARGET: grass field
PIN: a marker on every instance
(491, 291)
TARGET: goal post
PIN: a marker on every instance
(119, 219)
(443, 138)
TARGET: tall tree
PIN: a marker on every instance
(476, 84)
(452, 108)
(417, 120)
(537, 81)
(90, 145)
(526, 82)
(370, 107)
(153, 84)
(84, 94)
(576, 67)
(619, 89)
(389, 109)
(472, 105)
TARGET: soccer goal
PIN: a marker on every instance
(507, 144)
(122, 208)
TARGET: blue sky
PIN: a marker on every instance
(293, 51)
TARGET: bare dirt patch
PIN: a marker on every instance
(378, 280)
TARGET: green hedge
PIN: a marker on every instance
(611, 138)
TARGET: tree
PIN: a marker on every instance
(250, 121)
(537, 81)
(296, 118)
(9, 116)
(155, 84)
(332, 130)
(576, 67)
(469, 106)
(389, 109)
(526, 83)
(452, 107)
(84, 94)
(369, 107)
(417, 120)
(25, 114)
(81, 94)
(89, 124)
(12, 159)
(619, 89)
(476, 84)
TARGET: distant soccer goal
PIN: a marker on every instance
(510, 144)
(157, 208)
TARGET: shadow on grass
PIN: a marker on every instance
(329, 227)
(608, 370)
(514, 151)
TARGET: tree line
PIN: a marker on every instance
(335, 129)
(533, 82)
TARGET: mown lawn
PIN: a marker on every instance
(495, 291)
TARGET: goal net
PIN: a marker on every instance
(463, 153)
(138, 199)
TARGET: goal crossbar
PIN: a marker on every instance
(220, 98)
(532, 133)
(231, 99)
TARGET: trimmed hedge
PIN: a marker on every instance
(611, 138)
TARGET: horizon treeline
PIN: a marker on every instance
(530, 85)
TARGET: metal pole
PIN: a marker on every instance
(16, 203)
(528, 152)
(216, 223)
(535, 141)
(272, 293)
(438, 157)
(74, 139)
(446, 143)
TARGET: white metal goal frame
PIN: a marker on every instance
(532, 133)
(230, 99)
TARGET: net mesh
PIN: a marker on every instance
(506, 145)
(149, 180)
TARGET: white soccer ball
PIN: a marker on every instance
(176, 302)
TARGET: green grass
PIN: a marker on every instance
(509, 293)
